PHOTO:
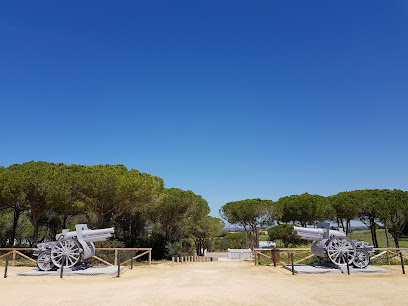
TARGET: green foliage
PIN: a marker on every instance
(284, 232)
(230, 241)
(348, 205)
(394, 213)
(305, 208)
(182, 247)
(204, 228)
(39, 199)
(252, 214)
(174, 210)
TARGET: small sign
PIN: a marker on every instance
(267, 244)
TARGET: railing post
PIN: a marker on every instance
(172, 261)
(118, 265)
(274, 257)
(256, 257)
(388, 257)
(131, 260)
(62, 266)
(402, 263)
(5, 270)
(178, 259)
(116, 257)
(293, 264)
(150, 257)
(14, 258)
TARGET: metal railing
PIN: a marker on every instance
(14, 252)
(388, 252)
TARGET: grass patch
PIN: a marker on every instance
(365, 235)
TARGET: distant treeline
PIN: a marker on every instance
(387, 207)
(39, 199)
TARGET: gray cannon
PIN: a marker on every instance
(73, 246)
(338, 248)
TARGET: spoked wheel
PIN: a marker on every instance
(341, 250)
(362, 259)
(68, 249)
(44, 262)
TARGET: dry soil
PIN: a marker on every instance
(209, 283)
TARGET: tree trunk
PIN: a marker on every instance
(348, 230)
(35, 225)
(16, 216)
(396, 241)
(373, 232)
(374, 236)
(64, 221)
(342, 225)
(386, 235)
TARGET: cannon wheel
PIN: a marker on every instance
(44, 262)
(341, 250)
(68, 247)
(362, 259)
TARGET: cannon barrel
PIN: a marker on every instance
(90, 235)
(96, 238)
(311, 231)
(315, 233)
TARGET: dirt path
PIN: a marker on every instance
(214, 283)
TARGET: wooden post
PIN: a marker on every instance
(62, 266)
(118, 265)
(293, 264)
(5, 268)
(388, 257)
(116, 257)
(178, 260)
(273, 254)
(150, 257)
(14, 258)
(172, 261)
(402, 263)
(256, 258)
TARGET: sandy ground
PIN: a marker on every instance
(211, 283)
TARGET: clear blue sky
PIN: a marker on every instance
(230, 99)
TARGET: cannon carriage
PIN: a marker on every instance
(70, 248)
(335, 245)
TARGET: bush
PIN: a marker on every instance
(230, 241)
(284, 232)
(183, 247)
